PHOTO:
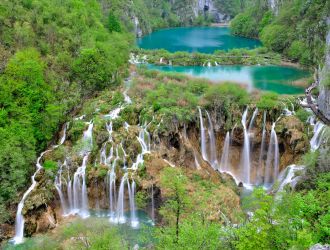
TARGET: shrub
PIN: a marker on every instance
(268, 101)
(50, 165)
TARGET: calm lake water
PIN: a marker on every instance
(268, 78)
(195, 39)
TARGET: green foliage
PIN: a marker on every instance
(274, 37)
(141, 199)
(260, 55)
(298, 29)
(175, 184)
(50, 165)
(113, 23)
(303, 115)
(268, 101)
(53, 54)
(226, 94)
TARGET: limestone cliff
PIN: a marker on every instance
(324, 87)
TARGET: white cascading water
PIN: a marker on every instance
(203, 137)
(254, 115)
(120, 215)
(260, 169)
(317, 137)
(19, 221)
(80, 198)
(272, 162)
(58, 186)
(287, 176)
(131, 194)
(79, 186)
(224, 163)
(245, 161)
(213, 158)
(197, 165)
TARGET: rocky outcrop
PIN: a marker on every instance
(324, 86)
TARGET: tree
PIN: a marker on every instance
(174, 183)
(113, 23)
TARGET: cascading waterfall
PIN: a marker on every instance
(317, 137)
(120, 216)
(213, 159)
(287, 176)
(79, 187)
(224, 163)
(245, 161)
(131, 194)
(262, 151)
(203, 137)
(80, 198)
(254, 115)
(58, 186)
(197, 165)
(19, 221)
(152, 203)
(272, 162)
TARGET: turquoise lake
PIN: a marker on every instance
(268, 78)
(195, 39)
(278, 79)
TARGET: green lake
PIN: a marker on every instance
(278, 79)
(195, 39)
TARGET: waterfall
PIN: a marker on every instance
(262, 151)
(145, 143)
(121, 201)
(88, 139)
(127, 99)
(254, 115)
(70, 193)
(272, 162)
(131, 194)
(287, 176)
(224, 163)
(19, 221)
(197, 165)
(152, 203)
(317, 137)
(245, 161)
(58, 186)
(203, 139)
(80, 199)
(213, 157)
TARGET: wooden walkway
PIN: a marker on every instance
(313, 106)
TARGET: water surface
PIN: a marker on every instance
(195, 39)
(278, 79)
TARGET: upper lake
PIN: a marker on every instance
(195, 39)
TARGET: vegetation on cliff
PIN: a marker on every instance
(48, 47)
(295, 28)
(259, 56)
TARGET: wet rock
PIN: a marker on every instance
(320, 247)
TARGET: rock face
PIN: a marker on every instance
(324, 88)
(210, 7)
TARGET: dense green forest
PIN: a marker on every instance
(53, 55)
(62, 56)
(296, 28)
